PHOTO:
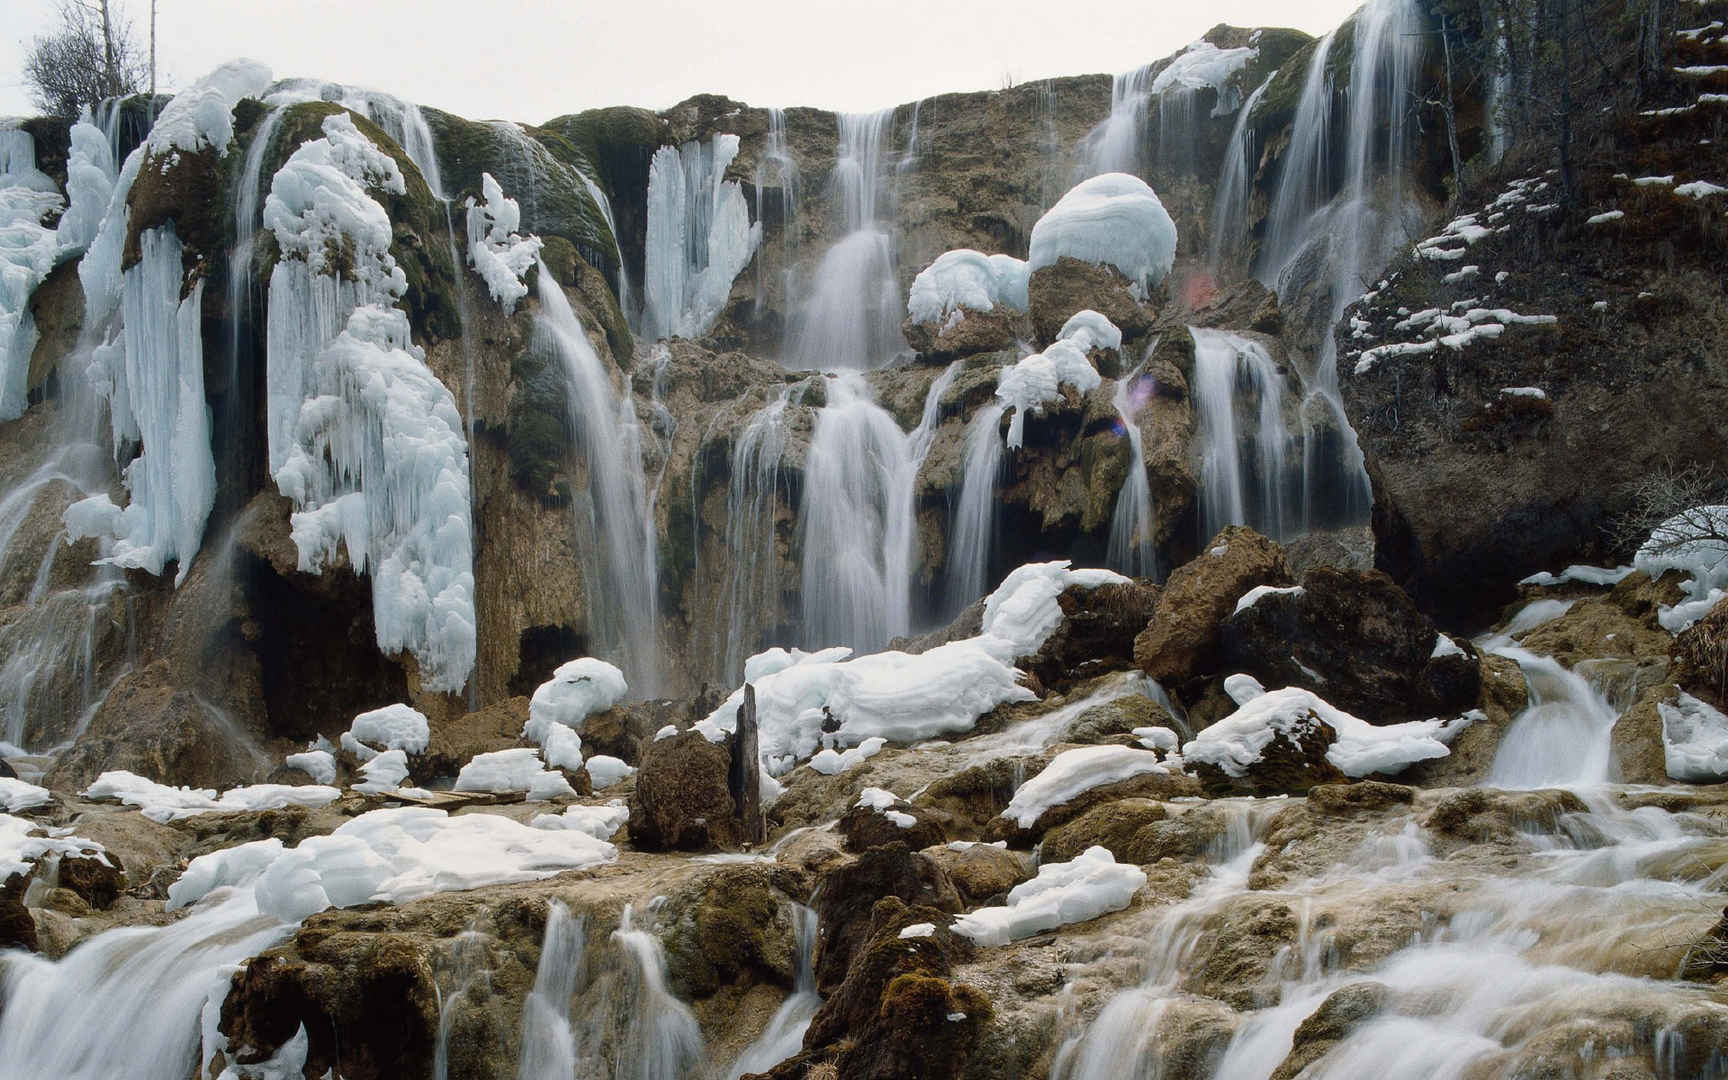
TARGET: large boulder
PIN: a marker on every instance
(866, 826)
(681, 800)
(1112, 825)
(847, 894)
(1636, 742)
(1069, 285)
(735, 924)
(966, 333)
(1358, 639)
(1096, 634)
(1184, 638)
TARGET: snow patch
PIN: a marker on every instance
(1112, 219)
(499, 253)
(1089, 885)
(1074, 772)
(163, 804)
(1237, 742)
(1694, 740)
(967, 280)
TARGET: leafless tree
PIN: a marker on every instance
(1673, 507)
(91, 55)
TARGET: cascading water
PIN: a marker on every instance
(130, 1002)
(1243, 473)
(784, 1035)
(776, 168)
(1227, 230)
(857, 526)
(1561, 739)
(463, 978)
(1132, 546)
(621, 563)
(1114, 146)
(661, 1040)
(972, 527)
(851, 319)
(548, 1043)
(755, 498)
(1354, 222)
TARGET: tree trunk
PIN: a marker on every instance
(744, 775)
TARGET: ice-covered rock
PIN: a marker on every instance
(1089, 885)
(1114, 218)
(1694, 740)
(1037, 380)
(500, 255)
(969, 280)
(163, 803)
(577, 690)
(1074, 772)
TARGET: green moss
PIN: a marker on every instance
(538, 429)
(618, 141)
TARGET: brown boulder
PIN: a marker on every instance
(980, 872)
(1183, 639)
(1069, 285)
(847, 895)
(1357, 639)
(967, 333)
(98, 882)
(681, 801)
(1291, 763)
(17, 927)
(1112, 825)
(457, 739)
(1096, 633)
(865, 827)
(1636, 741)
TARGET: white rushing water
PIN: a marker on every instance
(1239, 426)
(620, 561)
(851, 317)
(972, 527)
(784, 1035)
(548, 1043)
(1134, 520)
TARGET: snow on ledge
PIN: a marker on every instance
(1087, 886)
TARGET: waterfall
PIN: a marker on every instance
(464, 973)
(1229, 224)
(1132, 546)
(777, 167)
(548, 1043)
(131, 1001)
(857, 522)
(661, 1041)
(1305, 182)
(1239, 488)
(1562, 738)
(1114, 145)
(751, 598)
(851, 320)
(784, 1035)
(972, 528)
(620, 568)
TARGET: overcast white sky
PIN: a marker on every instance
(529, 61)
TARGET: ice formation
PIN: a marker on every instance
(392, 855)
(363, 437)
(604, 771)
(1074, 772)
(394, 727)
(577, 690)
(1237, 742)
(898, 696)
(1694, 740)
(17, 796)
(320, 765)
(599, 822)
(383, 772)
(969, 280)
(699, 237)
(1114, 219)
(1091, 884)
(1257, 593)
(27, 252)
(1037, 380)
(517, 769)
(20, 847)
(202, 115)
(162, 803)
(1202, 65)
(155, 391)
(498, 251)
(831, 762)
(1692, 542)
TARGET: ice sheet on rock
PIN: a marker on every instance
(877, 798)
(1237, 742)
(1089, 885)
(318, 764)
(501, 771)
(1074, 772)
(202, 114)
(1112, 219)
(1156, 738)
(21, 846)
(1694, 740)
(162, 803)
(600, 822)
(699, 236)
(499, 253)
(1203, 65)
(576, 691)
(1700, 189)
(383, 772)
(832, 762)
(1242, 688)
(549, 785)
(968, 280)
(389, 855)
(393, 727)
(1444, 646)
(917, 930)
(1690, 542)
(1588, 575)
(17, 796)
(90, 174)
(897, 696)
(604, 771)
(28, 250)
(562, 748)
